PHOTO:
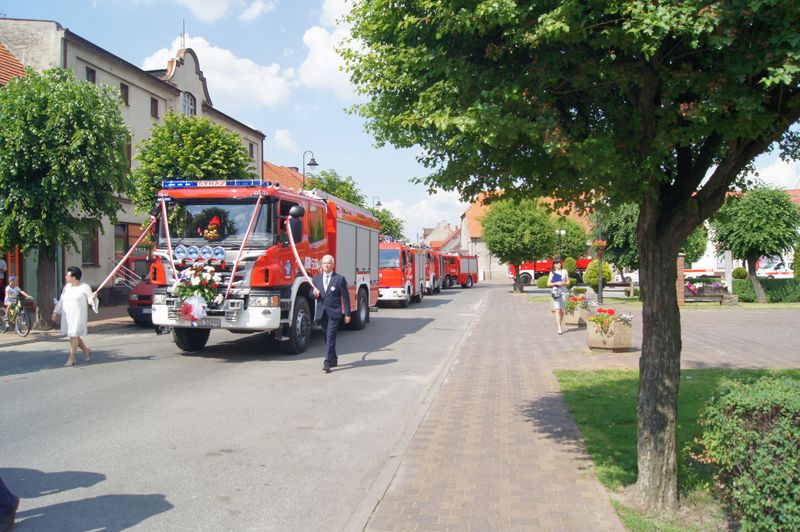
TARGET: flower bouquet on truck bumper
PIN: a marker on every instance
(197, 287)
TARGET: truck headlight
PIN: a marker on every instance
(265, 301)
(159, 299)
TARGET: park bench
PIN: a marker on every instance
(704, 298)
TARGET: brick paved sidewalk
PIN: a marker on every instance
(498, 449)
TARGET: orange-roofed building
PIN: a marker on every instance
(287, 176)
(10, 66)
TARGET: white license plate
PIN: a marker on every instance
(147, 310)
(210, 322)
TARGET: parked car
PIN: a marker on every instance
(776, 270)
(140, 304)
(627, 277)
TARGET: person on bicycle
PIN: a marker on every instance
(12, 293)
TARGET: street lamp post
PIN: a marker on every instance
(312, 163)
(559, 234)
(599, 260)
(376, 203)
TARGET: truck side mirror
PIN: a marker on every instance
(296, 223)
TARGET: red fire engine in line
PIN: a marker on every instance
(460, 269)
(238, 228)
(534, 269)
(401, 273)
(434, 266)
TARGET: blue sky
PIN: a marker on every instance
(271, 65)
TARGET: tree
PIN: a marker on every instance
(187, 147)
(62, 166)
(391, 225)
(664, 104)
(344, 188)
(573, 242)
(760, 222)
(516, 231)
(619, 228)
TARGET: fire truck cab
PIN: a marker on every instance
(238, 228)
(460, 269)
(401, 273)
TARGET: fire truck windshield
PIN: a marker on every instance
(389, 258)
(220, 222)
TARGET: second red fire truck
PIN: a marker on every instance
(402, 273)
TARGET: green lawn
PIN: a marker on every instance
(603, 404)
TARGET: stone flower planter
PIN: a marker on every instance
(578, 317)
(618, 338)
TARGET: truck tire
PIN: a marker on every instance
(405, 301)
(447, 282)
(526, 279)
(468, 283)
(190, 339)
(300, 330)
(359, 318)
(420, 293)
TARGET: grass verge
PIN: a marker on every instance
(603, 404)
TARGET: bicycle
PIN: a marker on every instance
(18, 318)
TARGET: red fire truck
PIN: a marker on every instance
(460, 269)
(534, 269)
(434, 266)
(401, 273)
(238, 228)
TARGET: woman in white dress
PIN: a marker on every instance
(559, 278)
(74, 309)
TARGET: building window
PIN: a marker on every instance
(90, 254)
(91, 75)
(154, 107)
(123, 89)
(252, 150)
(189, 104)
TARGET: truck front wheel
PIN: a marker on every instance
(190, 339)
(359, 318)
(300, 330)
(406, 299)
(525, 278)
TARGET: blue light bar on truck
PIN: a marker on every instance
(221, 183)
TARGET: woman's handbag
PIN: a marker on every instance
(555, 292)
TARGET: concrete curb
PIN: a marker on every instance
(360, 518)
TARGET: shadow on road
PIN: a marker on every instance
(30, 483)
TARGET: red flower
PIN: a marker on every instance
(214, 285)
(611, 312)
(203, 282)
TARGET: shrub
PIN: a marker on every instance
(739, 273)
(579, 290)
(570, 265)
(628, 292)
(796, 272)
(776, 290)
(591, 277)
(541, 282)
(752, 436)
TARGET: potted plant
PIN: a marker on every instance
(609, 330)
(576, 311)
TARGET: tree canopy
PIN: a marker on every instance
(664, 104)
(573, 242)
(62, 166)
(762, 221)
(187, 147)
(331, 182)
(516, 231)
(391, 225)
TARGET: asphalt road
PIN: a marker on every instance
(239, 437)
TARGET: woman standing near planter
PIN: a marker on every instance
(558, 279)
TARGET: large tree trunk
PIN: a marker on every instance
(659, 370)
(45, 280)
(761, 296)
(518, 285)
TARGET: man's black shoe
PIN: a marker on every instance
(326, 367)
(334, 363)
(7, 521)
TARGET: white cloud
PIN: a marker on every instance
(321, 68)
(256, 9)
(282, 138)
(781, 174)
(207, 10)
(428, 212)
(233, 82)
(333, 11)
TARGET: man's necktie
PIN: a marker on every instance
(327, 280)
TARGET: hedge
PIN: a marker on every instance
(776, 290)
(752, 437)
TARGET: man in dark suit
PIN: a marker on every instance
(333, 303)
